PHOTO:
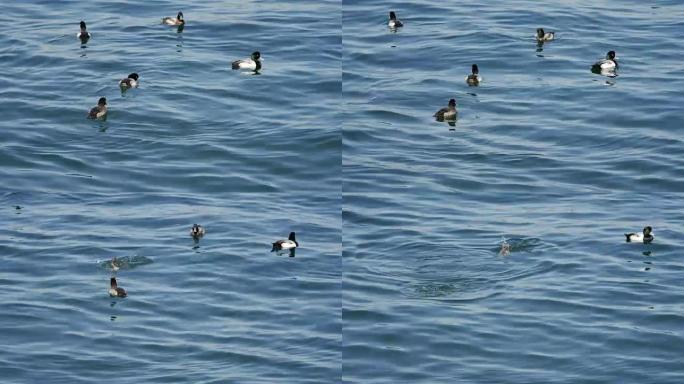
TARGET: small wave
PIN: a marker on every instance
(126, 262)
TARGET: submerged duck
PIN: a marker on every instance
(448, 113)
(544, 36)
(100, 110)
(474, 78)
(83, 35)
(113, 264)
(609, 63)
(115, 290)
(644, 237)
(505, 248)
(289, 244)
(393, 22)
(178, 20)
(253, 63)
(130, 82)
(197, 231)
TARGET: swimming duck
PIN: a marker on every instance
(253, 63)
(544, 36)
(100, 110)
(281, 245)
(474, 78)
(448, 113)
(115, 290)
(393, 22)
(609, 63)
(197, 231)
(83, 35)
(645, 237)
(178, 20)
(130, 82)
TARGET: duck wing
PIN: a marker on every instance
(441, 112)
(93, 112)
(236, 64)
(278, 245)
(121, 292)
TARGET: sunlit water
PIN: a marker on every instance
(486, 250)
(250, 157)
(555, 159)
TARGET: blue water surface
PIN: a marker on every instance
(399, 277)
(250, 157)
(555, 159)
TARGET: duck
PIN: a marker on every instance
(197, 231)
(84, 34)
(544, 36)
(113, 264)
(130, 82)
(100, 110)
(115, 290)
(178, 20)
(289, 244)
(609, 63)
(253, 63)
(505, 248)
(393, 22)
(644, 237)
(474, 78)
(448, 113)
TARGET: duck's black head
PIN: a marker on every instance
(647, 230)
(540, 32)
(133, 76)
(102, 101)
(610, 55)
(83, 25)
(475, 69)
(292, 238)
(256, 55)
(180, 15)
(112, 282)
(392, 15)
(452, 103)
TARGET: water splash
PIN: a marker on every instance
(505, 247)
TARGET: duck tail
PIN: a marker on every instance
(275, 247)
(627, 235)
(236, 64)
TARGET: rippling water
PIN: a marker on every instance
(410, 284)
(555, 159)
(224, 308)
(251, 157)
(193, 125)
